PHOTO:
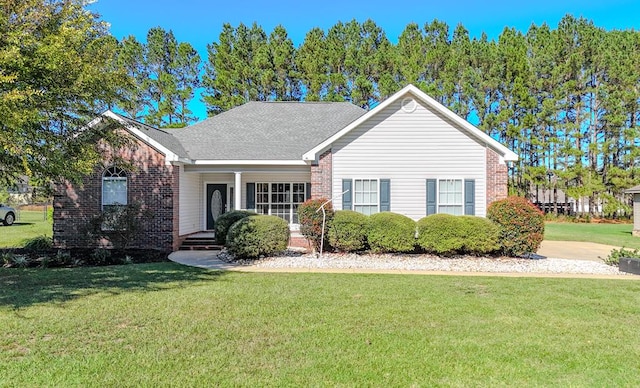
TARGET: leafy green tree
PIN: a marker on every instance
(57, 71)
(311, 60)
(285, 83)
(131, 60)
(187, 74)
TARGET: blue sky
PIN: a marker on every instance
(199, 21)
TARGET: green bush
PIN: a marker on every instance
(311, 221)
(617, 254)
(38, 243)
(348, 231)
(441, 234)
(482, 236)
(521, 225)
(224, 222)
(251, 237)
(391, 232)
(445, 234)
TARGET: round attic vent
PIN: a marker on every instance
(409, 104)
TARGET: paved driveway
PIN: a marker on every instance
(575, 250)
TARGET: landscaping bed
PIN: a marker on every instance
(49, 258)
(424, 262)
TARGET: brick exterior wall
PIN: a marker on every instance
(321, 176)
(151, 183)
(497, 178)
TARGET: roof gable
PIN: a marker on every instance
(469, 129)
(162, 141)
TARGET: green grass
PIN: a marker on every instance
(164, 324)
(611, 234)
(29, 224)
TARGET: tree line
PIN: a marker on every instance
(565, 99)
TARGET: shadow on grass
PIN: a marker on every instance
(25, 287)
(18, 224)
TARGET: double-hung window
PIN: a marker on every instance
(114, 187)
(366, 196)
(114, 197)
(450, 196)
(280, 199)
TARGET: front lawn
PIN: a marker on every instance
(165, 324)
(29, 224)
(611, 234)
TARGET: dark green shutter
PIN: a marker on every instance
(308, 193)
(470, 197)
(347, 202)
(432, 185)
(251, 196)
(385, 195)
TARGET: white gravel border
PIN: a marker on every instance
(297, 260)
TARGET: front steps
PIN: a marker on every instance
(207, 242)
(200, 242)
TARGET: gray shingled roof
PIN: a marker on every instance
(266, 130)
(165, 138)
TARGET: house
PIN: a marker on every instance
(548, 200)
(409, 155)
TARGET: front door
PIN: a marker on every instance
(216, 203)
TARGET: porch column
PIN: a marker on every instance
(237, 191)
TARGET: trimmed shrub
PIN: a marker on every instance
(391, 232)
(521, 225)
(482, 236)
(445, 234)
(348, 231)
(311, 221)
(258, 235)
(441, 234)
(224, 222)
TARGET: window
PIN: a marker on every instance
(450, 197)
(114, 187)
(280, 199)
(365, 196)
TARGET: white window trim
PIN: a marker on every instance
(353, 195)
(292, 225)
(113, 179)
(438, 203)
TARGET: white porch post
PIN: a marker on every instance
(237, 191)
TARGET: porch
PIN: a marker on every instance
(207, 191)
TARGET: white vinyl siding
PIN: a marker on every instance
(366, 199)
(450, 197)
(190, 202)
(409, 148)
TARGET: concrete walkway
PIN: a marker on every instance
(202, 259)
(555, 249)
